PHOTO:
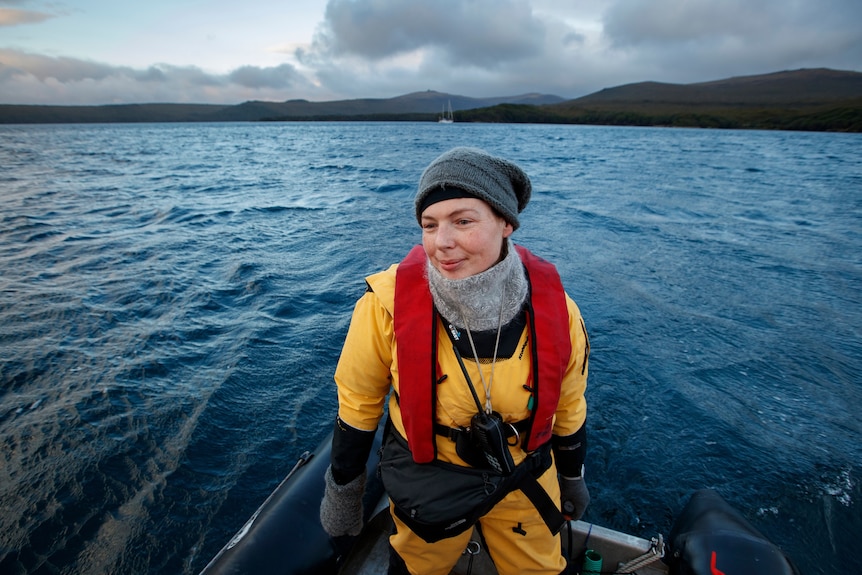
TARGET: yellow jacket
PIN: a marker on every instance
(368, 369)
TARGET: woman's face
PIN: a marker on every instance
(463, 236)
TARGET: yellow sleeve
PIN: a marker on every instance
(363, 373)
(572, 408)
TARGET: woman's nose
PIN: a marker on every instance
(444, 238)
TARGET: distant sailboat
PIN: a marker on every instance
(446, 117)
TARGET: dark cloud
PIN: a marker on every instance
(639, 22)
(380, 48)
(283, 76)
(473, 32)
(735, 36)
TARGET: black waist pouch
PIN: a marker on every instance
(437, 500)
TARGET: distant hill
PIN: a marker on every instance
(21, 114)
(800, 87)
(418, 106)
(808, 99)
(421, 105)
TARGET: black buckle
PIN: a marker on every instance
(451, 433)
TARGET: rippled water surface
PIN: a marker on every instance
(173, 300)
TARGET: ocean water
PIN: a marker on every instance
(173, 299)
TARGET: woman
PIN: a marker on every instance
(487, 357)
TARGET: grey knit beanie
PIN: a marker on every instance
(498, 182)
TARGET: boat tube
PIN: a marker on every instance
(711, 538)
(284, 535)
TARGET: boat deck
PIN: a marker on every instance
(370, 555)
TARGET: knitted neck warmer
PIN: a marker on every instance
(476, 300)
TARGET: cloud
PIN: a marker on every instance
(37, 79)
(277, 77)
(384, 48)
(13, 17)
(476, 47)
(663, 22)
(480, 33)
(502, 47)
(733, 37)
(642, 22)
(14, 63)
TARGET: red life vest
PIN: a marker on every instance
(415, 328)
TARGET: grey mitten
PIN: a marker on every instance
(341, 508)
(574, 496)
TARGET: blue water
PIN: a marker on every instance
(173, 300)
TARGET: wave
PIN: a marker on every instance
(172, 310)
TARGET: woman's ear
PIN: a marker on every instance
(508, 230)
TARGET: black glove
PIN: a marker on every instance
(569, 454)
(574, 496)
(341, 508)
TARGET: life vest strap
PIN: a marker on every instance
(453, 433)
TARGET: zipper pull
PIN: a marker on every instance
(530, 402)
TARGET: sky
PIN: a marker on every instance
(87, 52)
